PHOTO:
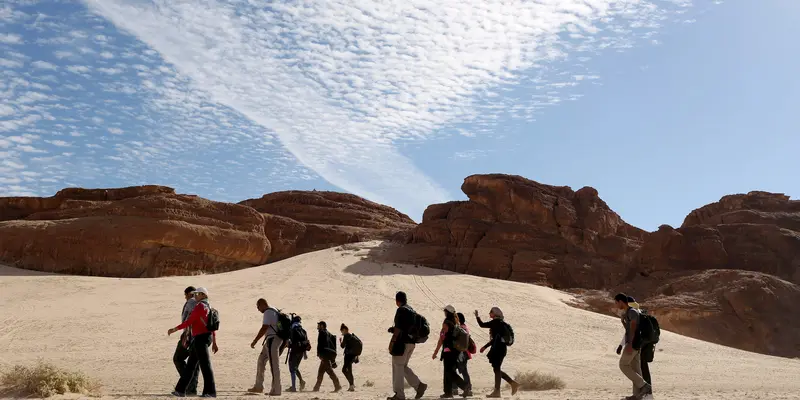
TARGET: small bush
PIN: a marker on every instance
(45, 380)
(369, 384)
(536, 381)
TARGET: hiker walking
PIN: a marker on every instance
(500, 337)
(270, 350)
(202, 323)
(408, 330)
(183, 349)
(352, 346)
(464, 357)
(299, 345)
(326, 351)
(648, 349)
(630, 360)
(450, 352)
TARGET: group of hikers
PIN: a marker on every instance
(280, 332)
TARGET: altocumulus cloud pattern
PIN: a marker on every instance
(229, 98)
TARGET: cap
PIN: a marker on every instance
(201, 290)
(450, 309)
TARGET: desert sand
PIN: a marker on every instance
(115, 330)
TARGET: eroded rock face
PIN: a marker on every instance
(729, 274)
(298, 222)
(518, 229)
(139, 232)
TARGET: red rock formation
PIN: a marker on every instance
(297, 222)
(515, 228)
(729, 274)
(148, 231)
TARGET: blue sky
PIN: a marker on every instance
(662, 105)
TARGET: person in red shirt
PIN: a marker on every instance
(201, 340)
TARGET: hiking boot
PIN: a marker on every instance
(644, 391)
(209, 395)
(316, 389)
(273, 394)
(514, 388)
(302, 385)
(291, 389)
(493, 395)
(395, 397)
(178, 394)
(421, 390)
(337, 389)
(255, 390)
(191, 393)
(446, 396)
(467, 393)
(352, 388)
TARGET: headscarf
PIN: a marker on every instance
(498, 313)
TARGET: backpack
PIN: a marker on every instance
(299, 339)
(284, 326)
(460, 339)
(473, 348)
(508, 334)
(649, 331)
(355, 346)
(419, 330)
(212, 322)
(331, 345)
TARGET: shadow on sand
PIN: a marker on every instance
(11, 271)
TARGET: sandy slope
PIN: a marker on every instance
(115, 330)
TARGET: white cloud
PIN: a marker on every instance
(10, 38)
(43, 65)
(78, 69)
(7, 63)
(63, 54)
(115, 131)
(13, 164)
(107, 55)
(59, 143)
(110, 71)
(342, 82)
(29, 149)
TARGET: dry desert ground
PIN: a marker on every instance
(115, 330)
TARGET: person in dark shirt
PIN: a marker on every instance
(347, 342)
(630, 361)
(326, 351)
(499, 349)
(298, 347)
(401, 347)
(464, 358)
(449, 354)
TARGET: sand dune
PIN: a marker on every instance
(115, 330)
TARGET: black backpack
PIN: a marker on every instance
(355, 346)
(419, 330)
(284, 327)
(508, 334)
(649, 331)
(330, 346)
(300, 340)
(212, 322)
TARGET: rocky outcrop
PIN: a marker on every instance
(139, 232)
(729, 274)
(298, 222)
(518, 229)
(148, 231)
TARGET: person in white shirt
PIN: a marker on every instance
(270, 350)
